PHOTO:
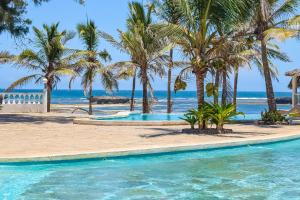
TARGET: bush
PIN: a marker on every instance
(272, 117)
(222, 114)
(212, 113)
(190, 118)
(202, 115)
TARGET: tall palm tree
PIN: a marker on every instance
(197, 31)
(168, 11)
(50, 60)
(89, 35)
(271, 20)
(145, 46)
(234, 52)
(241, 51)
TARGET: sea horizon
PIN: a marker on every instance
(250, 102)
(78, 89)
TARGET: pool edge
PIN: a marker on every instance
(87, 121)
(147, 151)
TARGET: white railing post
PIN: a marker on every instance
(24, 102)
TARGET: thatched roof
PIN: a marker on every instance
(295, 72)
(298, 83)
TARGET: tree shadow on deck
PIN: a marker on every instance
(163, 132)
(32, 119)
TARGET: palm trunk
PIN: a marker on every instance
(49, 91)
(268, 78)
(49, 86)
(200, 88)
(133, 92)
(200, 94)
(145, 90)
(235, 84)
(90, 100)
(217, 83)
(224, 87)
(169, 102)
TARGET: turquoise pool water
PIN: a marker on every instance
(252, 172)
(169, 117)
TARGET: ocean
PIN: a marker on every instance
(248, 102)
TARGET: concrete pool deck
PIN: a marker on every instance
(49, 137)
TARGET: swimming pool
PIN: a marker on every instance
(167, 117)
(251, 172)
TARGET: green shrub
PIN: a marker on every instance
(272, 117)
(212, 113)
(202, 115)
(191, 119)
(222, 114)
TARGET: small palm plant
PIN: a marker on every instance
(221, 114)
(190, 118)
(202, 115)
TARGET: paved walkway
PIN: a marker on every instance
(33, 136)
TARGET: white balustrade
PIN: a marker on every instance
(21, 98)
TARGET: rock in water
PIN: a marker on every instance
(284, 100)
(110, 100)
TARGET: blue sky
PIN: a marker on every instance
(109, 16)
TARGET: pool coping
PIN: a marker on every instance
(87, 121)
(148, 151)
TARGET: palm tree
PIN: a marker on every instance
(234, 52)
(89, 35)
(271, 20)
(197, 32)
(145, 46)
(247, 52)
(168, 11)
(50, 60)
(242, 52)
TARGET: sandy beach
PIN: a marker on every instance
(44, 135)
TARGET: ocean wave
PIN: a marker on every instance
(251, 98)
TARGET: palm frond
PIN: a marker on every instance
(5, 57)
(22, 81)
(109, 81)
(280, 34)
